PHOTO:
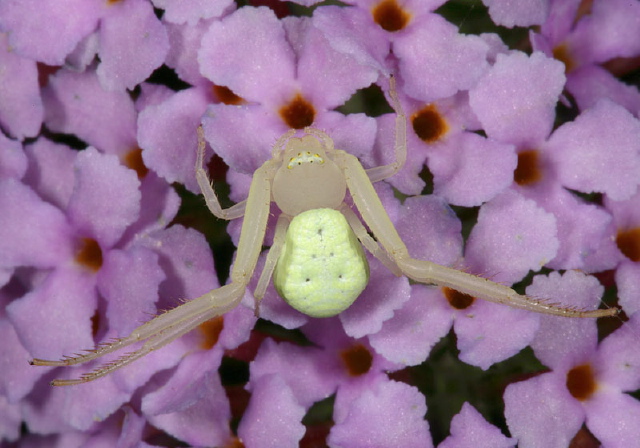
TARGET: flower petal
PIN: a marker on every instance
(532, 408)
(168, 137)
(426, 65)
(604, 136)
(274, 417)
(515, 101)
(513, 235)
(266, 60)
(468, 427)
(389, 414)
(133, 43)
(106, 198)
(60, 26)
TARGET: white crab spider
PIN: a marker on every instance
(316, 259)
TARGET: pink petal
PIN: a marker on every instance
(266, 60)
(604, 136)
(515, 101)
(133, 43)
(106, 198)
(512, 236)
(274, 417)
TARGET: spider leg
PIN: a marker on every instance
(368, 242)
(174, 323)
(158, 332)
(210, 197)
(476, 286)
(375, 216)
(272, 259)
(184, 312)
(400, 149)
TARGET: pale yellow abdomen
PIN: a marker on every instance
(322, 268)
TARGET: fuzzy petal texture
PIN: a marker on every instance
(369, 47)
(187, 262)
(192, 12)
(160, 205)
(592, 83)
(583, 228)
(408, 337)
(132, 428)
(613, 419)
(184, 44)
(512, 13)
(468, 427)
(101, 176)
(579, 336)
(21, 109)
(628, 287)
(192, 405)
(426, 64)
(18, 377)
(515, 101)
(273, 418)
(599, 151)
(51, 171)
(353, 133)
(340, 75)
(618, 357)
(376, 304)
(10, 420)
(133, 43)
(168, 137)
(32, 232)
(51, 410)
(224, 124)
(79, 407)
(407, 180)
(390, 414)
(475, 172)
(45, 311)
(13, 161)
(76, 103)
(132, 298)
(48, 31)
(429, 228)
(532, 408)
(513, 236)
(489, 332)
(267, 47)
(610, 30)
(311, 373)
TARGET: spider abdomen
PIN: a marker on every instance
(322, 268)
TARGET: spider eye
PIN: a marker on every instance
(306, 157)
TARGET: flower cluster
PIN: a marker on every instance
(529, 151)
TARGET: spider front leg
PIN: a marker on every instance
(375, 216)
(172, 324)
(157, 333)
(379, 173)
(210, 197)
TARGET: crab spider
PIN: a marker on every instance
(316, 261)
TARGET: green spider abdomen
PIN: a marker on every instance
(322, 268)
